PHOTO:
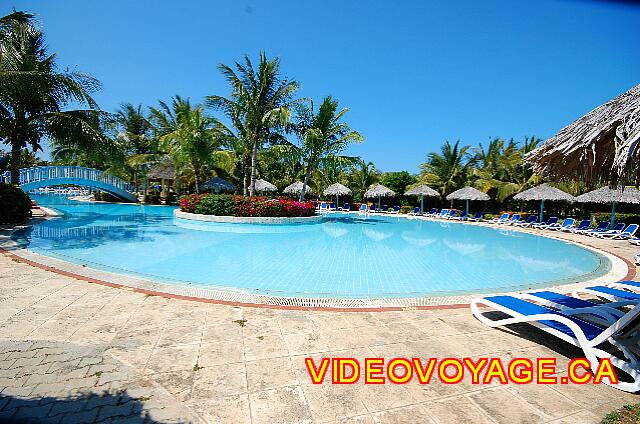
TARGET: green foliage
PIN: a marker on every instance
(448, 170)
(362, 175)
(398, 181)
(627, 218)
(15, 205)
(34, 94)
(216, 205)
(628, 414)
(406, 209)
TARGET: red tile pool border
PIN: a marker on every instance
(631, 273)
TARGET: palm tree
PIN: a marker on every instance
(323, 136)
(363, 175)
(189, 135)
(448, 170)
(34, 94)
(501, 167)
(260, 99)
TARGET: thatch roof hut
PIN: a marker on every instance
(263, 186)
(466, 194)
(422, 190)
(606, 195)
(296, 188)
(162, 171)
(218, 185)
(602, 146)
(379, 191)
(337, 190)
(544, 192)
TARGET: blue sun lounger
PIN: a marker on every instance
(616, 230)
(531, 219)
(503, 218)
(622, 234)
(415, 212)
(567, 224)
(476, 217)
(584, 224)
(569, 324)
(602, 226)
(551, 221)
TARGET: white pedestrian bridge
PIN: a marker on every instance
(49, 176)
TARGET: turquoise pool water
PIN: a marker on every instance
(342, 257)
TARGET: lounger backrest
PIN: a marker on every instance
(552, 220)
(602, 225)
(505, 216)
(396, 208)
(443, 212)
(532, 219)
(363, 207)
(515, 217)
(323, 205)
(625, 325)
(346, 206)
(478, 215)
(416, 209)
(619, 226)
(433, 210)
(568, 222)
(585, 223)
(631, 229)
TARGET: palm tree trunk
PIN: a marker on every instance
(245, 174)
(15, 162)
(304, 184)
(254, 166)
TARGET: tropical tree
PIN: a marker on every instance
(448, 170)
(500, 167)
(188, 135)
(362, 176)
(398, 181)
(34, 94)
(323, 136)
(260, 101)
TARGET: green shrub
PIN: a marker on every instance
(627, 218)
(405, 209)
(216, 205)
(15, 205)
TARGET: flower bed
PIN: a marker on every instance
(229, 205)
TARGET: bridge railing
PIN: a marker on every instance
(40, 173)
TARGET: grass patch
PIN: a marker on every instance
(96, 374)
(241, 322)
(197, 367)
(628, 414)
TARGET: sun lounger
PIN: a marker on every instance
(432, 212)
(452, 214)
(345, 208)
(503, 218)
(551, 221)
(363, 209)
(602, 226)
(584, 225)
(332, 206)
(567, 224)
(566, 325)
(323, 207)
(395, 210)
(476, 217)
(461, 217)
(531, 219)
(620, 234)
(514, 219)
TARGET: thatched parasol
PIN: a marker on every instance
(606, 195)
(544, 192)
(602, 146)
(337, 190)
(422, 190)
(296, 188)
(263, 186)
(378, 190)
(466, 194)
(162, 171)
(218, 184)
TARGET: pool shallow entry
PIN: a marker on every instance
(346, 257)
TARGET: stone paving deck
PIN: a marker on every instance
(72, 351)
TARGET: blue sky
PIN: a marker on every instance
(413, 73)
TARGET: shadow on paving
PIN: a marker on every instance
(89, 408)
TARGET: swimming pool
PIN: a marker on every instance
(377, 257)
